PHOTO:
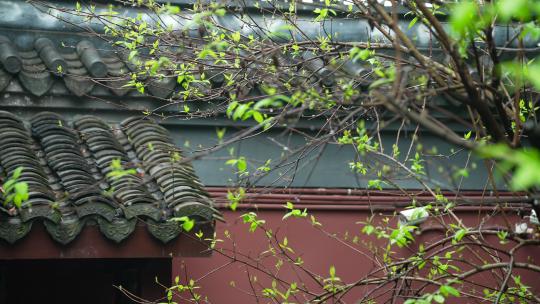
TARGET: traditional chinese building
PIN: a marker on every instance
(67, 114)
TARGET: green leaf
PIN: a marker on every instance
(231, 162)
(173, 10)
(188, 224)
(132, 54)
(241, 164)
(154, 67)
(460, 234)
(533, 74)
(17, 172)
(235, 36)
(220, 132)
(116, 164)
(368, 229)
(332, 271)
(21, 188)
(413, 22)
(438, 298)
(232, 106)
(220, 12)
(508, 9)
(240, 111)
(17, 201)
(449, 290)
(275, 101)
(233, 205)
(258, 116)
(207, 52)
(463, 16)
(8, 186)
(365, 54)
(357, 53)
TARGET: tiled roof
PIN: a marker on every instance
(38, 65)
(66, 167)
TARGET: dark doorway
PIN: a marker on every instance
(85, 281)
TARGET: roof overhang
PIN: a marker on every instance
(91, 244)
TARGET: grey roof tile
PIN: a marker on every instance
(34, 75)
(9, 56)
(67, 167)
(5, 79)
(77, 79)
(161, 87)
(86, 70)
(13, 228)
(118, 75)
(91, 59)
(50, 55)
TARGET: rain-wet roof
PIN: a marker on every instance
(72, 180)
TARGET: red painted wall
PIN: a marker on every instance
(224, 282)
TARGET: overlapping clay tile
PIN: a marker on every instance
(72, 181)
(82, 66)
